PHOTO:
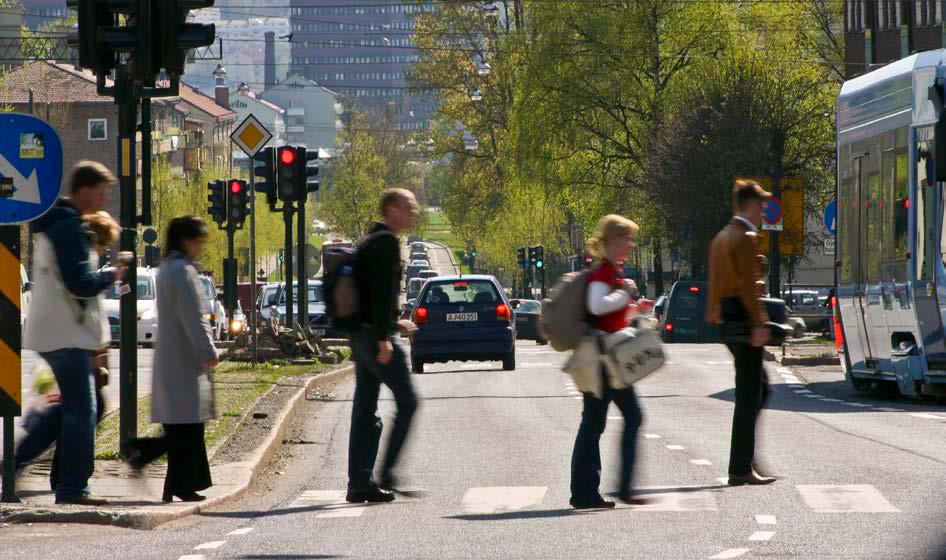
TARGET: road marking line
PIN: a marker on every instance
(796, 386)
(731, 553)
(850, 498)
(651, 436)
(888, 409)
(615, 418)
(535, 365)
(242, 531)
(814, 396)
(784, 370)
(676, 498)
(193, 557)
(927, 416)
(210, 545)
(675, 447)
(761, 535)
(792, 380)
(334, 511)
(700, 462)
(862, 405)
(498, 499)
(765, 520)
(831, 400)
(803, 391)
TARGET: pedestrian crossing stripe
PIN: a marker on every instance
(500, 499)
(850, 498)
(11, 396)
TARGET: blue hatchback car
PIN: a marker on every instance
(463, 318)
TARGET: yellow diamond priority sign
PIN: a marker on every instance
(251, 136)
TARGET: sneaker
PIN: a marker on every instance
(85, 499)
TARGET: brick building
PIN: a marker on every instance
(877, 32)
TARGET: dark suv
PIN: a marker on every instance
(684, 316)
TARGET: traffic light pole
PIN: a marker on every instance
(229, 281)
(287, 222)
(303, 279)
(253, 318)
(128, 307)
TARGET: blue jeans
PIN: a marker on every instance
(586, 457)
(73, 370)
(366, 425)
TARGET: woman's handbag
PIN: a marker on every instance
(633, 354)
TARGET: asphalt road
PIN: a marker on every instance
(487, 470)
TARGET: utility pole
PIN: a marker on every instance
(775, 256)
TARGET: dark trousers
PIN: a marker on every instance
(366, 425)
(586, 457)
(188, 467)
(752, 390)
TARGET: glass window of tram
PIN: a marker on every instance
(926, 207)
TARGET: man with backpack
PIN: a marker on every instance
(378, 353)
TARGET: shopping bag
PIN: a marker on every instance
(633, 353)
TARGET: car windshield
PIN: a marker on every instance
(458, 292)
(529, 307)
(145, 289)
(315, 294)
(207, 288)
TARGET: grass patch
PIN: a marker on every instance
(236, 387)
(438, 230)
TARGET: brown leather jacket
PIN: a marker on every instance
(736, 269)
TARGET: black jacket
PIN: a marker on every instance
(379, 280)
(71, 239)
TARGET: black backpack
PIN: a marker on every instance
(340, 284)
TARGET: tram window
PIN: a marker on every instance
(925, 217)
(845, 200)
(871, 230)
(901, 207)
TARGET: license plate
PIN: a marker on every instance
(460, 317)
(522, 319)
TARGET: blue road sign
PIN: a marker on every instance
(772, 212)
(30, 168)
(831, 218)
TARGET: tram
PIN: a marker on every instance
(890, 275)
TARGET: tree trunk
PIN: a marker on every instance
(658, 268)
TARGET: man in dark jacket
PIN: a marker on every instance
(378, 353)
(735, 288)
(66, 325)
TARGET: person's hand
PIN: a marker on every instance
(406, 327)
(385, 352)
(631, 288)
(759, 336)
(101, 360)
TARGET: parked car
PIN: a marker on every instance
(266, 300)
(413, 287)
(684, 317)
(318, 321)
(465, 318)
(147, 310)
(429, 273)
(528, 313)
(214, 310)
(811, 306)
(414, 269)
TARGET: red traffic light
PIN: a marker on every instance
(287, 156)
(235, 187)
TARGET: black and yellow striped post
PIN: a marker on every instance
(11, 395)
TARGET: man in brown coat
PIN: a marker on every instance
(735, 287)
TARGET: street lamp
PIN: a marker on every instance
(476, 95)
(483, 69)
(490, 9)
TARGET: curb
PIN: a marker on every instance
(811, 361)
(246, 474)
(453, 260)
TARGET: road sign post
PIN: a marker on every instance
(30, 180)
(251, 136)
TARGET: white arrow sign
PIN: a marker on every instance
(27, 190)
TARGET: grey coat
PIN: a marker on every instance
(181, 388)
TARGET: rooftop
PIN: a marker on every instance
(205, 103)
(51, 82)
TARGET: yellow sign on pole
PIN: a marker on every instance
(792, 237)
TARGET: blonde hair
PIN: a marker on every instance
(104, 227)
(610, 226)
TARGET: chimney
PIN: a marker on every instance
(269, 61)
(221, 91)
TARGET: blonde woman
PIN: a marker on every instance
(607, 298)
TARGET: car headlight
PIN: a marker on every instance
(147, 315)
(236, 325)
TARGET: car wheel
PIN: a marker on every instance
(417, 366)
(542, 342)
(509, 361)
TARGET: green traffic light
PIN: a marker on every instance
(538, 264)
(473, 253)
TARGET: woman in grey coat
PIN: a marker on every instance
(181, 394)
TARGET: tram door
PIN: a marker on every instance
(927, 252)
(859, 233)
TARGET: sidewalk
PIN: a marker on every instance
(136, 501)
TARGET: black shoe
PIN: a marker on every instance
(752, 479)
(374, 495)
(599, 503)
(388, 482)
(85, 499)
(188, 497)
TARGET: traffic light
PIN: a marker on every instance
(218, 201)
(521, 257)
(532, 257)
(91, 15)
(264, 168)
(540, 257)
(311, 170)
(286, 173)
(237, 200)
(174, 37)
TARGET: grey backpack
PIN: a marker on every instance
(565, 314)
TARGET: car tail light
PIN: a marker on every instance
(213, 316)
(694, 289)
(668, 327)
(420, 316)
(502, 312)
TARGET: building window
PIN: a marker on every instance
(98, 129)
